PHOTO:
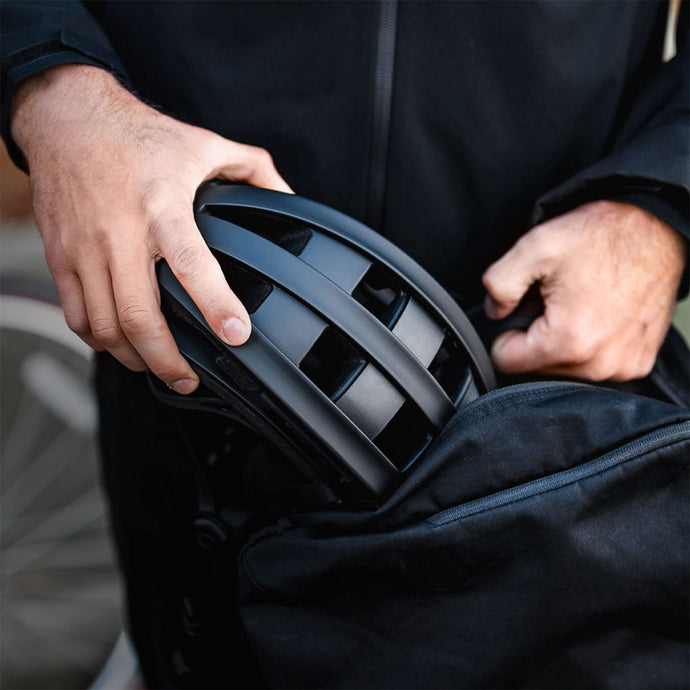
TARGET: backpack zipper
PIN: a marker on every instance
(655, 440)
(381, 117)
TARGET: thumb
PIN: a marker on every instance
(508, 279)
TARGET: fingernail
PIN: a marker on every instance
(185, 386)
(235, 331)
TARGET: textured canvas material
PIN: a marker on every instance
(543, 543)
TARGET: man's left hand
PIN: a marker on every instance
(608, 274)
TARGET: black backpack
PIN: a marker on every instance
(542, 543)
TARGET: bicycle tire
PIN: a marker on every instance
(61, 623)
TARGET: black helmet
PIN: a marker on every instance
(357, 358)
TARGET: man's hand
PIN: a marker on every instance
(113, 183)
(608, 274)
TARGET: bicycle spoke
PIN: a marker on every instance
(40, 474)
(44, 623)
(53, 533)
(17, 444)
(100, 593)
(61, 391)
(61, 594)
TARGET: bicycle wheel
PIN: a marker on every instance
(60, 588)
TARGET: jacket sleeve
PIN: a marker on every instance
(649, 161)
(37, 35)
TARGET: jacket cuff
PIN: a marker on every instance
(668, 202)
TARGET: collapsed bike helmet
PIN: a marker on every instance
(357, 357)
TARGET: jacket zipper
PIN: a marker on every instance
(655, 440)
(382, 105)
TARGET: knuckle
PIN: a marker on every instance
(263, 158)
(494, 280)
(575, 346)
(136, 319)
(61, 259)
(645, 368)
(489, 278)
(186, 259)
(543, 244)
(639, 370)
(156, 200)
(598, 370)
(538, 236)
(106, 333)
(176, 244)
(55, 254)
(209, 145)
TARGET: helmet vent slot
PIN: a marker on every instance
(250, 288)
(379, 294)
(406, 436)
(289, 234)
(332, 363)
(450, 369)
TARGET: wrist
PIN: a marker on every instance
(60, 95)
(647, 229)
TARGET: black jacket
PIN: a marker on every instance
(450, 127)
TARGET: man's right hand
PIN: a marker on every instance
(113, 183)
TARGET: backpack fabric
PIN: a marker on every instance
(543, 542)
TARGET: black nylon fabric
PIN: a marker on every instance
(569, 581)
